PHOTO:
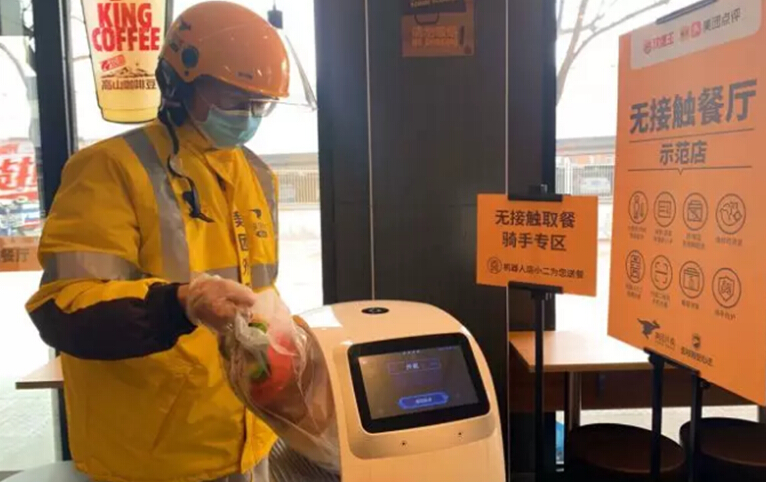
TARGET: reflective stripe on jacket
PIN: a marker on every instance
(150, 403)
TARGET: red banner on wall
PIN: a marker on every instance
(18, 172)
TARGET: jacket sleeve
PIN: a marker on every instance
(94, 302)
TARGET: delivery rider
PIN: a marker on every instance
(135, 218)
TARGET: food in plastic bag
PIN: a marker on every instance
(277, 369)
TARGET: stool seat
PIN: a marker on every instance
(614, 452)
(57, 472)
(730, 449)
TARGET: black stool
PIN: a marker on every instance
(619, 453)
(729, 449)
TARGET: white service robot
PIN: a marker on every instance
(413, 395)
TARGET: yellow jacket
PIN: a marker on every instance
(145, 394)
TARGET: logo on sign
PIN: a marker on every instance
(648, 327)
(665, 341)
(696, 29)
(691, 31)
(125, 27)
(113, 63)
(659, 42)
(651, 330)
(693, 353)
(495, 265)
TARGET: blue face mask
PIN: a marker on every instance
(227, 129)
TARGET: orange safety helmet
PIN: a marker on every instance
(230, 43)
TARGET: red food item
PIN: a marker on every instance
(281, 372)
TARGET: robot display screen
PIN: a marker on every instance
(415, 382)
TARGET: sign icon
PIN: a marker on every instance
(635, 267)
(696, 341)
(638, 207)
(648, 327)
(691, 279)
(664, 209)
(495, 265)
(695, 212)
(727, 288)
(730, 214)
(662, 273)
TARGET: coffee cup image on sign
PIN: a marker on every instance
(125, 40)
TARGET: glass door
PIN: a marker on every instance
(27, 429)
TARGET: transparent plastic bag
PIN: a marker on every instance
(277, 370)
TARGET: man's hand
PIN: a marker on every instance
(215, 302)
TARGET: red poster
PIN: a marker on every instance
(18, 173)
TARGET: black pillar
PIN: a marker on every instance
(53, 62)
(58, 134)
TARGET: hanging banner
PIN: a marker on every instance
(687, 249)
(18, 172)
(541, 243)
(438, 28)
(125, 37)
(19, 200)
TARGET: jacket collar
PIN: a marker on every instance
(189, 137)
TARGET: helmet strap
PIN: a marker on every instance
(174, 92)
(166, 117)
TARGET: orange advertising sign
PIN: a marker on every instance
(125, 37)
(19, 253)
(687, 254)
(438, 28)
(541, 243)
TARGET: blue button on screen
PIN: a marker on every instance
(426, 400)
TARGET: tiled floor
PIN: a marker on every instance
(26, 417)
(26, 428)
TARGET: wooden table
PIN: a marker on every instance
(47, 376)
(574, 353)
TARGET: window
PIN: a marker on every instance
(287, 141)
(587, 58)
(27, 430)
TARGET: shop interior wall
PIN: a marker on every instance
(407, 143)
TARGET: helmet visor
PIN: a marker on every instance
(233, 99)
(301, 94)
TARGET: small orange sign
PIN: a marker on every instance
(19, 253)
(687, 271)
(541, 243)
